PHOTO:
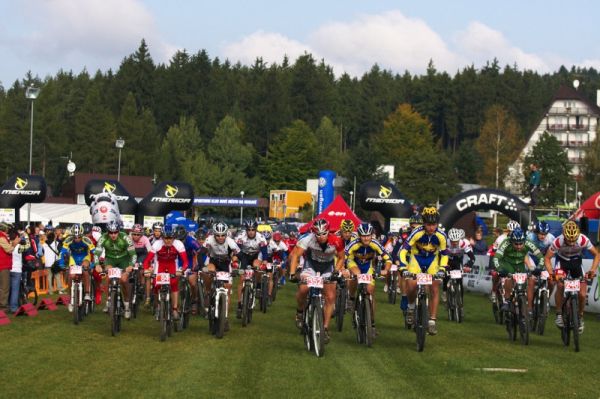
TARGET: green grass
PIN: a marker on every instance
(48, 356)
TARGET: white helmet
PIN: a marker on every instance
(456, 234)
(512, 224)
(220, 228)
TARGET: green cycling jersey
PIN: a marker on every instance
(120, 248)
(508, 259)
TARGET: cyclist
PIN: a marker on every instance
(78, 250)
(541, 236)
(142, 246)
(222, 254)
(118, 252)
(427, 246)
(291, 244)
(253, 249)
(167, 251)
(458, 248)
(323, 253)
(404, 233)
(347, 231)
(361, 254)
(513, 257)
(157, 229)
(277, 253)
(510, 226)
(569, 247)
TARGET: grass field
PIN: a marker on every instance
(48, 356)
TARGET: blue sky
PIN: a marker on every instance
(47, 35)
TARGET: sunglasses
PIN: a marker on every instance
(113, 232)
(136, 234)
(321, 234)
(250, 229)
(219, 235)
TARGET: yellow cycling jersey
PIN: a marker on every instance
(361, 256)
(423, 246)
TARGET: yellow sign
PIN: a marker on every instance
(21, 183)
(109, 188)
(171, 191)
(384, 192)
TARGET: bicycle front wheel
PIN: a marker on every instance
(523, 317)
(114, 312)
(575, 321)
(318, 330)
(75, 302)
(222, 315)
(542, 312)
(368, 320)
(245, 305)
(340, 307)
(164, 318)
(421, 319)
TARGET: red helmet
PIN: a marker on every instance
(277, 236)
(320, 227)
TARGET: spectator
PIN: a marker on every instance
(6, 250)
(20, 242)
(534, 184)
(479, 245)
(51, 254)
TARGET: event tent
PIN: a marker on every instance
(590, 207)
(334, 214)
(57, 213)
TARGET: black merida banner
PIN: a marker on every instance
(385, 199)
(127, 203)
(484, 199)
(19, 190)
(166, 197)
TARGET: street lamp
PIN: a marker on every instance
(352, 200)
(120, 143)
(241, 208)
(31, 94)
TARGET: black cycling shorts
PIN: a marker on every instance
(573, 266)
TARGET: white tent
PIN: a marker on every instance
(57, 213)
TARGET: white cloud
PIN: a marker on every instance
(272, 47)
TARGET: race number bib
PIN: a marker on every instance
(314, 282)
(455, 274)
(223, 276)
(75, 269)
(394, 268)
(571, 285)
(544, 275)
(248, 274)
(520, 278)
(365, 278)
(114, 272)
(163, 278)
(424, 279)
(269, 266)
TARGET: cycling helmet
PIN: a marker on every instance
(267, 235)
(415, 219)
(293, 234)
(347, 226)
(77, 230)
(571, 231)
(168, 231)
(87, 227)
(157, 226)
(542, 227)
(49, 227)
(113, 226)
(137, 229)
(512, 224)
(181, 232)
(456, 234)
(365, 229)
(517, 236)
(320, 227)
(430, 215)
(250, 224)
(277, 236)
(97, 229)
(220, 228)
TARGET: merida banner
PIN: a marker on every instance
(166, 197)
(384, 198)
(126, 202)
(325, 193)
(19, 190)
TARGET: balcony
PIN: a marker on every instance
(576, 160)
(557, 128)
(574, 143)
(578, 128)
(568, 111)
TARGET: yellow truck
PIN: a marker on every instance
(287, 203)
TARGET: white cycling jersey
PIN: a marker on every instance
(463, 247)
(569, 252)
(250, 246)
(216, 250)
(276, 247)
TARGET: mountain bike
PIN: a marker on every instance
(341, 297)
(540, 303)
(421, 316)
(313, 329)
(276, 277)
(185, 304)
(135, 286)
(116, 308)
(517, 315)
(27, 293)
(77, 303)
(262, 290)
(219, 304)
(393, 287)
(570, 311)
(455, 297)
(248, 294)
(163, 281)
(363, 311)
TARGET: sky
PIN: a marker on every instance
(45, 36)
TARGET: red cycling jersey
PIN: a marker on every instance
(167, 259)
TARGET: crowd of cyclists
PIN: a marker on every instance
(352, 253)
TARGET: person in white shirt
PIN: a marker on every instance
(51, 253)
(15, 277)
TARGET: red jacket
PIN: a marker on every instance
(5, 257)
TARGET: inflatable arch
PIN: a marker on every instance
(19, 190)
(484, 198)
(168, 196)
(384, 198)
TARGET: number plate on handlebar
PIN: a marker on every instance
(223, 276)
(114, 272)
(314, 282)
(394, 268)
(75, 269)
(163, 278)
(248, 274)
(571, 285)
(424, 279)
(520, 278)
(269, 266)
(365, 278)
(544, 275)
(455, 274)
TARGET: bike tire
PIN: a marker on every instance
(523, 318)
(566, 330)
(306, 329)
(542, 313)
(222, 312)
(276, 277)
(318, 329)
(264, 289)
(575, 322)
(421, 318)
(245, 305)
(201, 299)
(75, 301)
(368, 320)
(458, 304)
(114, 313)
(359, 320)
(340, 307)
(163, 318)
(451, 302)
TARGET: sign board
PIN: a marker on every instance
(396, 223)
(226, 201)
(7, 215)
(150, 220)
(128, 221)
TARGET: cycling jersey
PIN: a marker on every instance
(252, 246)
(456, 254)
(166, 256)
(508, 259)
(320, 258)
(291, 244)
(542, 245)
(277, 251)
(191, 249)
(361, 256)
(142, 248)
(220, 254)
(424, 249)
(569, 252)
(120, 251)
(77, 251)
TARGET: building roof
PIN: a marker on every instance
(138, 186)
(565, 92)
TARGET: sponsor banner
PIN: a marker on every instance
(125, 201)
(167, 197)
(386, 199)
(396, 223)
(7, 215)
(128, 221)
(19, 190)
(150, 220)
(226, 201)
(325, 191)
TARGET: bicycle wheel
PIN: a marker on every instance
(222, 317)
(458, 303)
(306, 328)
(566, 316)
(359, 319)
(368, 320)
(276, 278)
(523, 317)
(114, 312)
(163, 317)
(451, 302)
(575, 321)
(542, 312)
(392, 291)
(75, 302)
(340, 307)
(421, 319)
(245, 305)
(264, 289)
(317, 328)
(201, 299)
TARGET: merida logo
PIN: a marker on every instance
(20, 184)
(173, 200)
(109, 188)
(384, 192)
(171, 191)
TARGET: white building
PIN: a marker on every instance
(573, 120)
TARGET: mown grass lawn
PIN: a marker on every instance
(48, 356)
